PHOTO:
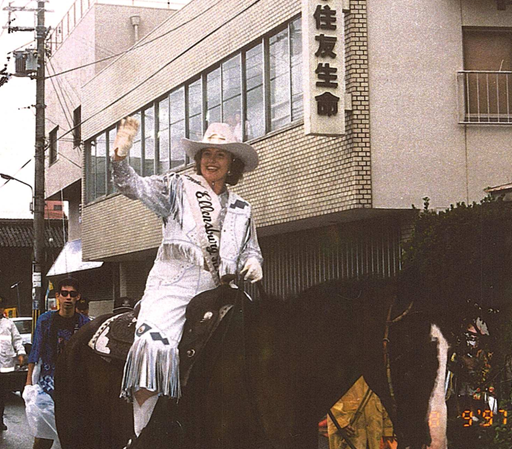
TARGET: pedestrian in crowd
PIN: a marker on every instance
(470, 369)
(362, 418)
(82, 306)
(208, 232)
(124, 304)
(53, 330)
(11, 346)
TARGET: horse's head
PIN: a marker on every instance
(411, 376)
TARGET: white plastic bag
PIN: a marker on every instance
(40, 411)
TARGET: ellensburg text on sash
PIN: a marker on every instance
(206, 207)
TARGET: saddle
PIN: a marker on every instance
(205, 312)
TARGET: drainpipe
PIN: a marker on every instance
(135, 24)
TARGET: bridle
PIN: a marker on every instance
(385, 348)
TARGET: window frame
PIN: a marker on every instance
(53, 145)
(77, 127)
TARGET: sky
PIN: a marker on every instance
(17, 116)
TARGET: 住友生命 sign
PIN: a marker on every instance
(323, 67)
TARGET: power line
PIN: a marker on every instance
(72, 87)
(60, 102)
(162, 68)
(69, 160)
(64, 94)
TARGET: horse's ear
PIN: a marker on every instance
(226, 294)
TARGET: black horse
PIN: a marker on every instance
(270, 373)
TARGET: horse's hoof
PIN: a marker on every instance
(129, 444)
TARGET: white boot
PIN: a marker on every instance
(142, 413)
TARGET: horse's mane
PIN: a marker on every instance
(333, 295)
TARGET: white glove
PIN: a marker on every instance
(252, 270)
(126, 132)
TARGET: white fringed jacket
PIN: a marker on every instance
(164, 195)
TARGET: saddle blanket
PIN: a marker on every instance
(115, 335)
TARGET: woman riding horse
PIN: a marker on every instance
(208, 232)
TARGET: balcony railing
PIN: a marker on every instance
(60, 32)
(485, 97)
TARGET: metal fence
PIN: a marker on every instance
(485, 97)
(296, 261)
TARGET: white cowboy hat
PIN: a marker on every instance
(219, 135)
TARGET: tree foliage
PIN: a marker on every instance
(458, 266)
(459, 261)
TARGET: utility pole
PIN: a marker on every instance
(38, 305)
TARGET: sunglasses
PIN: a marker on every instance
(71, 293)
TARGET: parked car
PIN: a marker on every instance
(24, 325)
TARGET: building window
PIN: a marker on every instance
(77, 127)
(254, 94)
(100, 163)
(96, 162)
(195, 106)
(232, 95)
(256, 90)
(296, 68)
(53, 145)
(111, 136)
(280, 110)
(136, 150)
(149, 141)
(98, 179)
(163, 135)
(213, 97)
(177, 125)
(487, 77)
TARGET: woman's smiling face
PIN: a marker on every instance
(215, 164)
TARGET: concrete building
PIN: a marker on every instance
(90, 36)
(427, 113)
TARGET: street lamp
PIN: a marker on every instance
(17, 287)
(12, 178)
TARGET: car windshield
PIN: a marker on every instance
(24, 326)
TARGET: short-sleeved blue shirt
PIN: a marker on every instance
(52, 333)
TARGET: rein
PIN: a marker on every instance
(385, 347)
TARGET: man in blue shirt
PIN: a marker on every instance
(53, 330)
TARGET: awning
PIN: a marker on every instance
(70, 260)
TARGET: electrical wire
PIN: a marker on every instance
(139, 45)
(61, 105)
(22, 46)
(96, 46)
(69, 160)
(72, 88)
(64, 93)
(117, 100)
(7, 23)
